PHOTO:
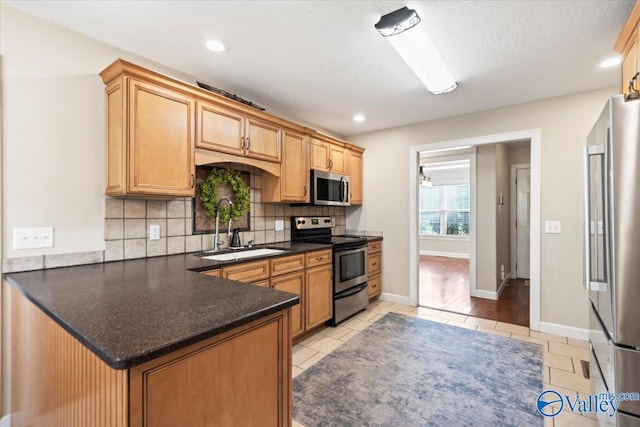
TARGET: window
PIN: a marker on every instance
(444, 210)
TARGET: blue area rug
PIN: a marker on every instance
(406, 371)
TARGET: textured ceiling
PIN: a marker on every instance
(322, 61)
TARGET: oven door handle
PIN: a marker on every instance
(351, 291)
(346, 249)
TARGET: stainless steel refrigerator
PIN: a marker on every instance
(612, 254)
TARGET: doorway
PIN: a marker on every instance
(487, 296)
(520, 220)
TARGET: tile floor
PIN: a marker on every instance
(562, 370)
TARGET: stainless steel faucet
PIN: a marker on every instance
(217, 236)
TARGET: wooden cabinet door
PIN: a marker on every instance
(219, 129)
(338, 161)
(262, 140)
(354, 170)
(161, 143)
(293, 283)
(247, 272)
(375, 286)
(319, 296)
(375, 264)
(295, 169)
(630, 63)
(319, 155)
(243, 380)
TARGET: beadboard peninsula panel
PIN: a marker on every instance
(57, 381)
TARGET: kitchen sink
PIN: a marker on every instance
(232, 256)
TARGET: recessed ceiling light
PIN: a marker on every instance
(359, 118)
(216, 46)
(611, 62)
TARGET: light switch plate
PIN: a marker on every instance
(33, 238)
(279, 225)
(154, 232)
(553, 227)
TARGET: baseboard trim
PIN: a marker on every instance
(479, 293)
(445, 254)
(564, 330)
(399, 299)
(503, 284)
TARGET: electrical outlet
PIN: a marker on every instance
(279, 225)
(33, 238)
(553, 227)
(154, 232)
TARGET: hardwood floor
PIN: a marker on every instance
(444, 285)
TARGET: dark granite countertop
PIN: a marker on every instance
(130, 312)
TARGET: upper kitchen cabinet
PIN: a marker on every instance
(327, 154)
(628, 45)
(293, 183)
(150, 135)
(354, 170)
(229, 131)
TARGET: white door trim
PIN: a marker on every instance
(533, 135)
(514, 200)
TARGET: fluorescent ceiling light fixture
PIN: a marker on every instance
(359, 118)
(216, 45)
(611, 62)
(412, 42)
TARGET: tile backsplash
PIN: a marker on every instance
(127, 222)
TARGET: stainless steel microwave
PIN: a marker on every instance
(330, 189)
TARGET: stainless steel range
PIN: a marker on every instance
(350, 294)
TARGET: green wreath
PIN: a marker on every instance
(209, 194)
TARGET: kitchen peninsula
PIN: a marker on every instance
(147, 342)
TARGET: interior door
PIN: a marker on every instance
(523, 221)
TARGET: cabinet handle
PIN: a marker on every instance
(318, 258)
(192, 181)
(242, 143)
(248, 143)
(305, 191)
(328, 164)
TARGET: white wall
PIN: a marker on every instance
(486, 218)
(503, 213)
(565, 123)
(54, 133)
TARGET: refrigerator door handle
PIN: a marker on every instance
(596, 226)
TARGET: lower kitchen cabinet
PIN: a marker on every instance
(239, 377)
(375, 268)
(293, 283)
(308, 275)
(319, 296)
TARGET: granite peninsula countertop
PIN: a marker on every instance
(130, 312)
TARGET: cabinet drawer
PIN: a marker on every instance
(375, 247)
(247, 272)
(375, 285)
(318, 258)
(287, 264)
(262, 284)
(213, 273)
(375, 262)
